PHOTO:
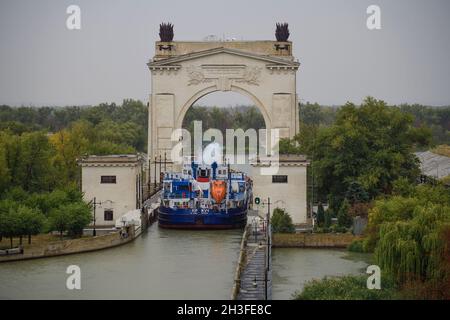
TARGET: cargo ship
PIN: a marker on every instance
(205, 197)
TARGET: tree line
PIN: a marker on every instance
(39, 173)
(26, 214)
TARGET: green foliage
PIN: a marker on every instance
(5, 176)
(59, 220)
(243, 117)
(343, 217)
(411, 250)
(10, 224)
(370, 145)
(79, 216)
(33, 213)
(438, 194)
(315, 115)
(402, 187)
(282, 222)
(344, 288)
(288, 146)
(406, 234)
(31, 221)
(327, 219)
(387, 210)
(356, 246)
(71, 217)
(435, 118)
(320, 215)
(356, 193)
(27, 160)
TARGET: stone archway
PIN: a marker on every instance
(211, 89)
(183, 72)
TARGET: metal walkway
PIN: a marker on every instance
(256, 279)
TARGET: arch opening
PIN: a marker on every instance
(222, 110)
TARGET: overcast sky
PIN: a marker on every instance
(44, 63)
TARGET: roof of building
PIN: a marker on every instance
(282, 159)
(213, 51)
(433, 165)
(118, 159)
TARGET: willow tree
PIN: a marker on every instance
(413, 249)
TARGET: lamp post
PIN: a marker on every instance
(265, 280)
(160, 161)
(165, 161)
(155, 172)
(268, 234)
(95, 203)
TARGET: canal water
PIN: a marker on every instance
(161, 264)
(168, 264)
(293, 267)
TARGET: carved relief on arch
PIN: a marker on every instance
(224, 74)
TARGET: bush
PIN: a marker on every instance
(281, 222)
(327, 220)
(344, 219)
(356, 246)
(320, 215)
(344, 288)
(338, 229)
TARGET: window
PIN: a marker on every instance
(279, 179)
(108, 179)
(108, 215)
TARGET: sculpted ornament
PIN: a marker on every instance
(196, 75)
(249, 75)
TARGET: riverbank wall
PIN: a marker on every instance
(85, 244)
(240, 263)
(312, 240)
(72, 246)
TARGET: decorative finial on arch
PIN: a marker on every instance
(282, 32)
(166, 32)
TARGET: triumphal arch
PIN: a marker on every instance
(182, 72)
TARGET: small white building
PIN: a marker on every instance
(287, 188)
(116, 184)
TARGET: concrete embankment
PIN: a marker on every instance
(312, 240)
(240, 264)
(71, 246)
(85, 244)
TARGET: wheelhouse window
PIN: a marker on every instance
(108, 215)
(203, 173)
(279, 179)
(108, 179)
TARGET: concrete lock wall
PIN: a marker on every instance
(313, 240)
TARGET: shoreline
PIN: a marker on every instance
(313, 240)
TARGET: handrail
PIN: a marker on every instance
(241, 263)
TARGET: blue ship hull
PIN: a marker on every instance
(201, 218)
